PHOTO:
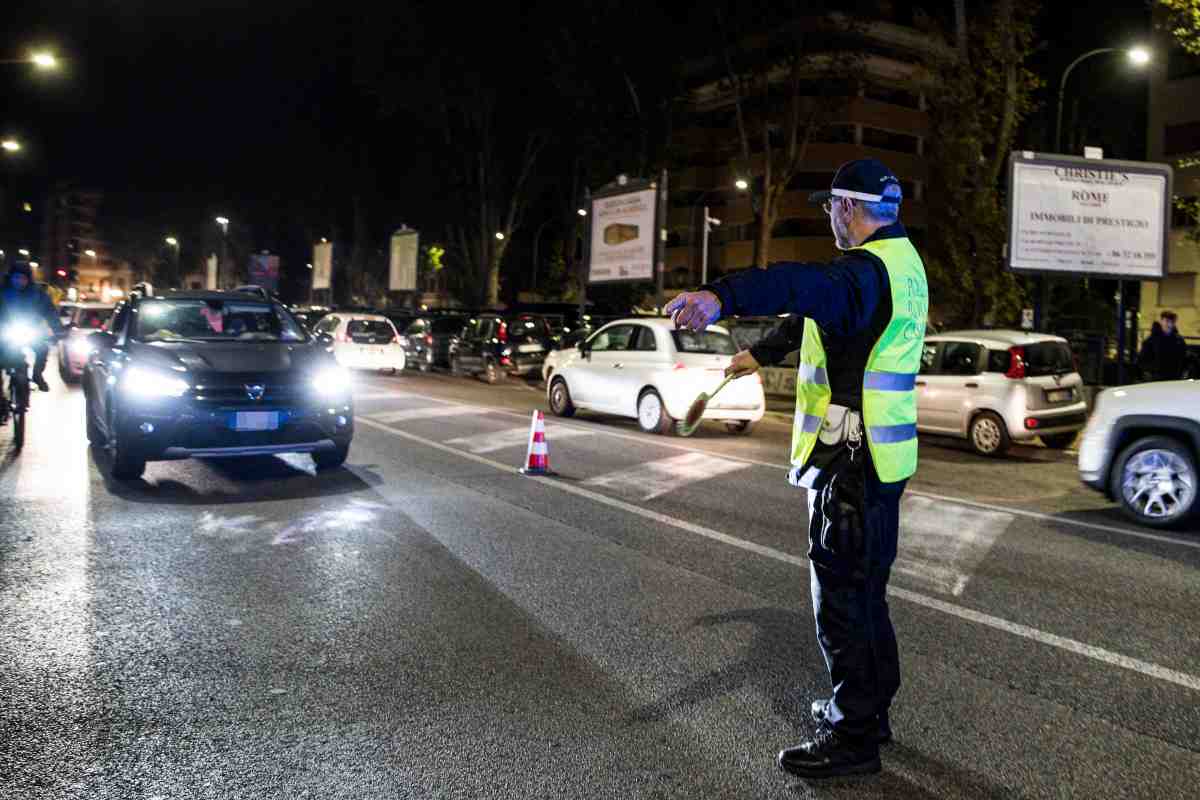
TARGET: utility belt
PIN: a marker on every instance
(841, 429)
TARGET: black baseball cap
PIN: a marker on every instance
(864, 179)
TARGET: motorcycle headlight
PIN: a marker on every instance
(20, 335)
(331, 382)
(144, 382)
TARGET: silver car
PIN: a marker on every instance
(994, 388)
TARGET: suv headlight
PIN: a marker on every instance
(20, 335)
(331, 382)
(143, 382)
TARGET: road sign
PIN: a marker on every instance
(1082, 216)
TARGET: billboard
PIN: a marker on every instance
(210, 276)
(623, 237)
(264, 271)
(402, 274)
(322, 272)
(1084, 216)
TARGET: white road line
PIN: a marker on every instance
(1149, 669)
(396, 395)
(1067, 521)
(656, 478)
(426, 412)
(944, 543)
(512, 437)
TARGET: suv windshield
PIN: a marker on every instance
(1048, 358)
(707, 343)
(215, 320)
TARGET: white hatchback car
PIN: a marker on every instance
(645, 369)
(1142, 447)
(363, 341)
(996, 387)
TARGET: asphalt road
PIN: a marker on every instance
(428, 623)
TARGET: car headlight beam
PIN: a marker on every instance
(332, 382)
(20, 335)
(142, 382)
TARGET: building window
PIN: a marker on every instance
(888, 140)
(800, 228)
(1183, 138)
(1177, 291)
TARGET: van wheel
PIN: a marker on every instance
(652, 414)
(560, 399)
(988, 435)
(1155, 480)
(741, 426)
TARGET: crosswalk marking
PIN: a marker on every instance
(656, 478)
(941, 545)
(426, 412)
(513, 437)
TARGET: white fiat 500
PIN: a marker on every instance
(363, 341)
(645, 369)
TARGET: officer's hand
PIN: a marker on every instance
(694, 310)
(743, 364)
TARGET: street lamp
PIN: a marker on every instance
(24, 252)
(11, 145)
(499, 236)
(1138, 56)
(44, 60)
(173, 243)
(89, 253)
(741, 184)
(709, 224)
(581, 212)
(224, 223)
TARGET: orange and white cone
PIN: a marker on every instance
(537, 456)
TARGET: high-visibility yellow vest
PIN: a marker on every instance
(889, 382)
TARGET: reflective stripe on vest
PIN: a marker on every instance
(889, 381)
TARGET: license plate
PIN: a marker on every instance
(531, 348)
(256, 421)
(1058, 396)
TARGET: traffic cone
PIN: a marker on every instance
(537, 456)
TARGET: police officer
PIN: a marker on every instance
(20, 298)
(860, 328)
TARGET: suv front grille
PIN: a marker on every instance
(233, 395)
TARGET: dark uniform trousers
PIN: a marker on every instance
(854, 525)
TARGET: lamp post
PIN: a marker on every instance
(1138, 56)
(709, 224)
(173, 243)
(224, 223)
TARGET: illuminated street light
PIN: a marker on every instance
(741, 184)
(90, 253)
(308, 265)
(581, 212)
(24, 252)
(1140, 56)
(499, 236)
(172, 241)
(324, 240)
(10, 145)
(33, 265)
(44, 60)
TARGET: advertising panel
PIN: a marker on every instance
(623, 237)
(402, 275)
(322, 273)
(1084, 216)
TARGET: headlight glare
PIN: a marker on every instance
(20, 335)
(142, 382)
(332, 382)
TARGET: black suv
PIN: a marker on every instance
(213, 374)
(427, 340)
(493, 345)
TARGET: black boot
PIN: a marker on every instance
(830, 755)
(882, 734)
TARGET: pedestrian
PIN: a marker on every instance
(860, 328)
(1164, 353)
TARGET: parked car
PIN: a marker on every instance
(562, 349)
(1141, 448)
(213, 375)
(493, 345)
(645, 369)
(81, 322)
(400, 319)
(309, 316)
(427, 340)
(362, 341)
(994, 388)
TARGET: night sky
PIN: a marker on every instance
(180, 111)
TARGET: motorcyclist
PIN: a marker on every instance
(21, 299)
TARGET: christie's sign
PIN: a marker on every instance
(1091, 175)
